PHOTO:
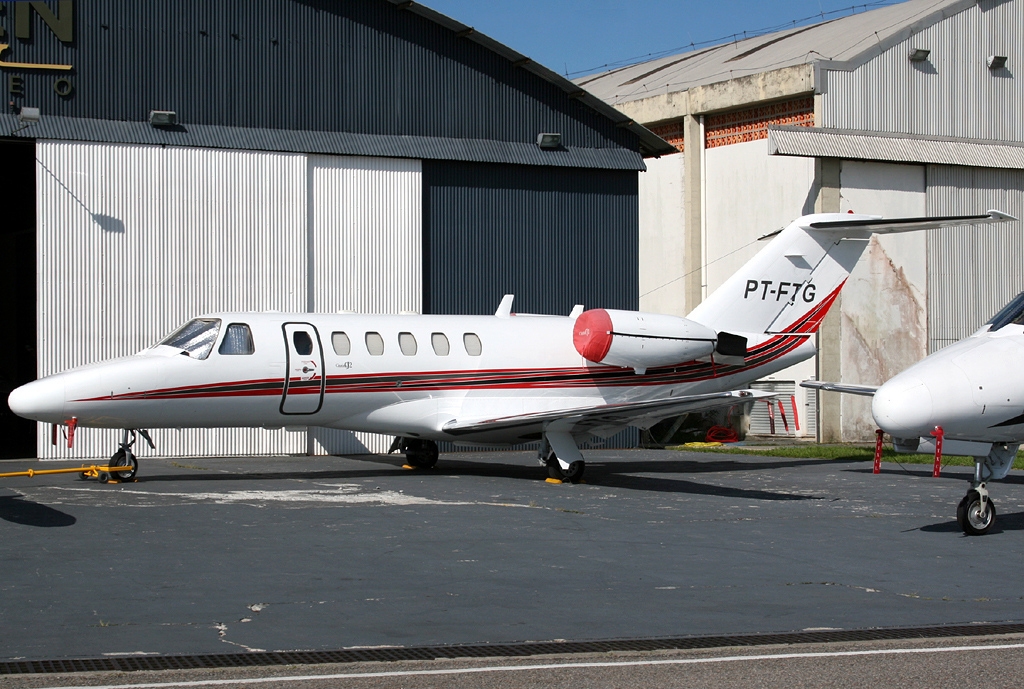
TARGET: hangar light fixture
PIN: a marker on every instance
(28, 116)
(549, 140)
(919, 54)
(163, 118)
(996, 61)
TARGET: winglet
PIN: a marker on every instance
(866, 390)
(576, 311)
(505, 307)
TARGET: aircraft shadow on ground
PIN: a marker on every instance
(613, 474)
(1014, 521)
(17, 510)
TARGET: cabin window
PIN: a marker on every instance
(472, 343)
(407, 343)
(440, 344)
(195, 338)
(303, 343)
(374, 344)
(342, 345)
(237, 340)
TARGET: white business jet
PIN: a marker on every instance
(503, 379)
(974, 391)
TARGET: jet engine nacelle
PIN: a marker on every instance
(640, 340)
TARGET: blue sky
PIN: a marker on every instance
(583, 37)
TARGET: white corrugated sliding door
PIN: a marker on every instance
(135, 240)
(366, 252)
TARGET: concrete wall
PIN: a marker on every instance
(662, 224)
(884, 315)
(749, 194)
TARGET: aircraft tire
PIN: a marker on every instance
(967, 515)
(574, 473)
(421, 454)
(118, 460)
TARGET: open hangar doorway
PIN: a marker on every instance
(17, 291)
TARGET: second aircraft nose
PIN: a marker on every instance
(40, 400)
(903, 407)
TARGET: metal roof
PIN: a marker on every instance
(337, 143)
(650, 143)
(852, 40)
(900, 148)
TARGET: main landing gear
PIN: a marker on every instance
(124, 457)
(419, 453)
(558, 452)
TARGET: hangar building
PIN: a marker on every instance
(166, 159)
(907, 110)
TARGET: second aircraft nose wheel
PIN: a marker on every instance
(973, 517)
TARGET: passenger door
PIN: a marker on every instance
(304, 370)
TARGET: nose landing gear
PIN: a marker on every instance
(124, 457)
(976, 513)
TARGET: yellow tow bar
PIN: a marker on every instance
(92, 471)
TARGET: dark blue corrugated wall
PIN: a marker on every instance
(344, 65)
(554, 237)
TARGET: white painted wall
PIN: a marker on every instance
(135, 240)
(749, 194)
(884, 315)
(662, 228)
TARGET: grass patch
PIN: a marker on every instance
(845, 452)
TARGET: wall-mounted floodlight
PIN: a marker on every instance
(549, 140)
(28, 115)
(163, 118)
(919, 54)
(996, 61)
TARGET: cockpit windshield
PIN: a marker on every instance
(1011, 313)
(196, 337)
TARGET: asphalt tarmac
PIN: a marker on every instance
(233, 554)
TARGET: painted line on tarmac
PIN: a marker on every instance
(548, 666)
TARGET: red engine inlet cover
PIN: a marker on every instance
(592, 334)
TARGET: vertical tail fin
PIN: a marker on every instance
(789, 286)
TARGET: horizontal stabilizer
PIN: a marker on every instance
(867, 390)
(893, 225)
(605, 418)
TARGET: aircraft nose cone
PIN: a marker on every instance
(903, 407)
(40, 400)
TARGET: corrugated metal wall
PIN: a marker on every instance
(355, 66)
(365, 224)
(552, 237)
(972, 273)
(952, 93)
(135, 240)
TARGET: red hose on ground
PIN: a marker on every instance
(721, 434)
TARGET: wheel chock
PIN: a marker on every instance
(406, 466)
(552, 480)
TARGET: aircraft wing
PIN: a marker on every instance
(867, 390)
(604, 418)
(892, 225)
